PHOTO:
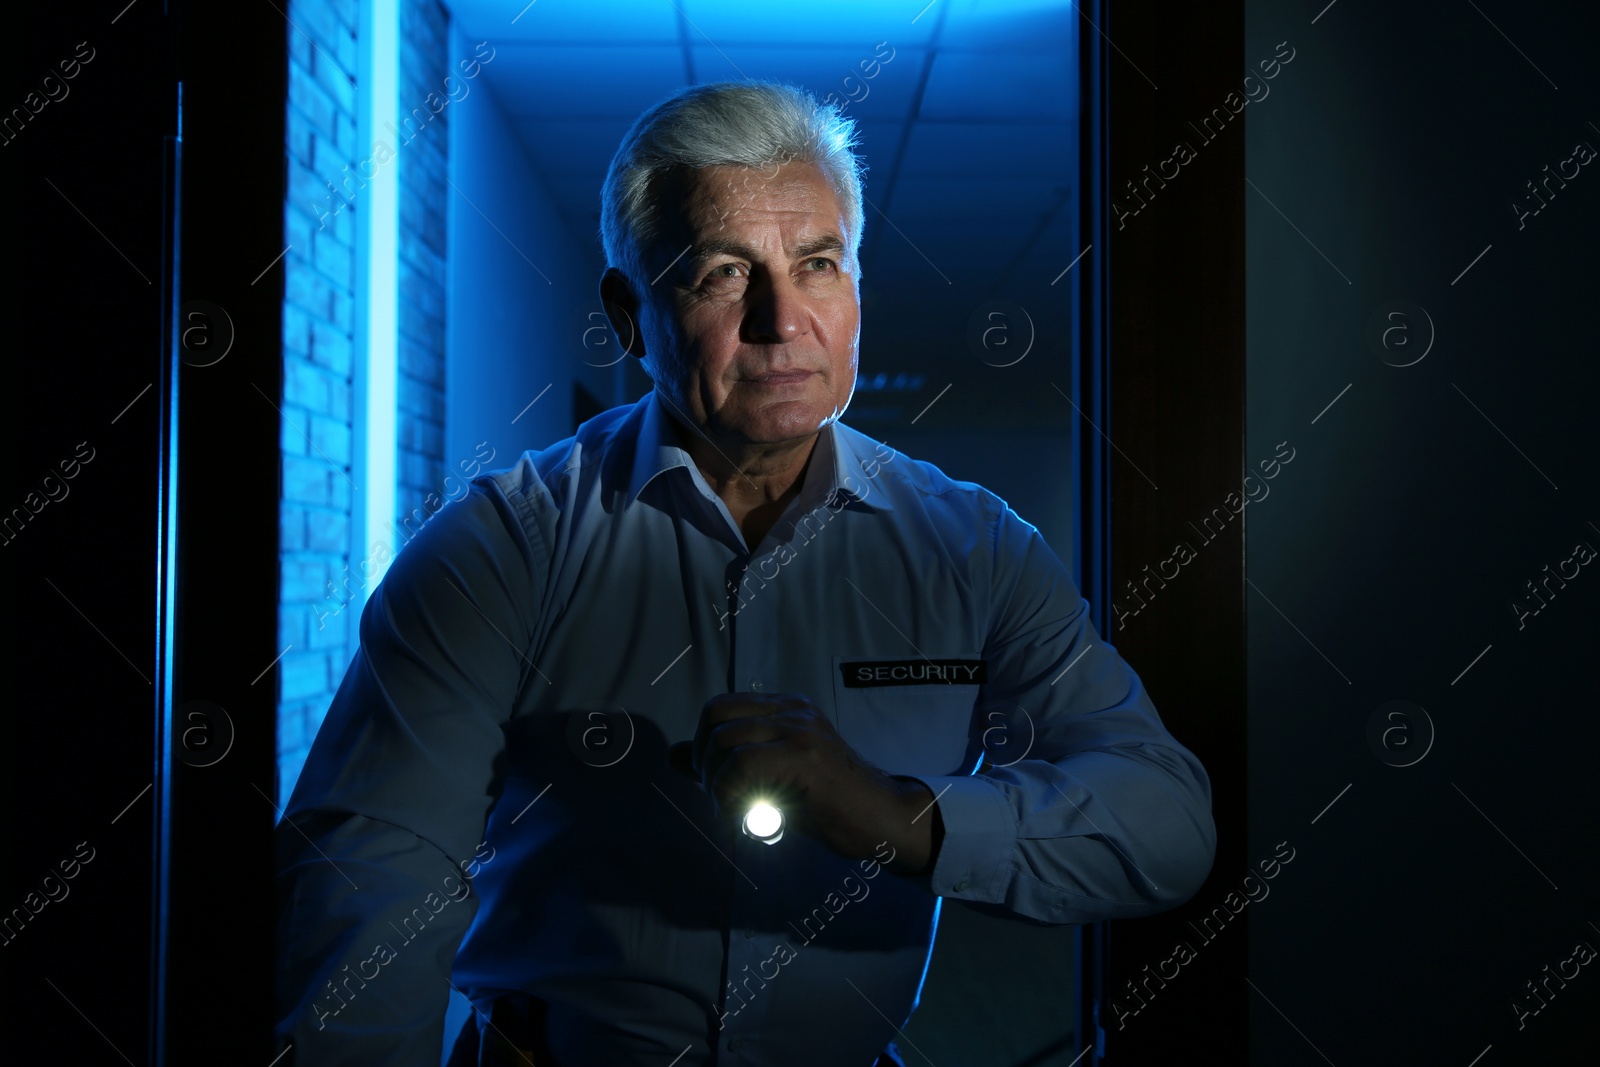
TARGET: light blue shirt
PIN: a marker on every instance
(494, 764)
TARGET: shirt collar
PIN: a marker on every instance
(839, 458)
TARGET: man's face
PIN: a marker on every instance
(756, 321)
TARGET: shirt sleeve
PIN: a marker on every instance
(1100, 814)
(383, 834)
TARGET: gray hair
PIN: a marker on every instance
(747, 124)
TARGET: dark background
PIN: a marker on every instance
(102, 611)
(84, 328)
(1429, 883)
(1414, 512)
(1383, 562)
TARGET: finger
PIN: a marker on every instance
(725, 740)
(726, 707)
(752, 771)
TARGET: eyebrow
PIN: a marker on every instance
(716, 246)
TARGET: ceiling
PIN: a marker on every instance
(968, 131)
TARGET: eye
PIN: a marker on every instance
(722, 272)
(825, 261)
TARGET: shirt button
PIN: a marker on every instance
(755, 685)
(961, 886)
(749, 933)
(733, 1044)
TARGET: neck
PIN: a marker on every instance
(756, 480)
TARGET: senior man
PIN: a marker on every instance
(574, 682)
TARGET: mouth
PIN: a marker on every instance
(778, 379)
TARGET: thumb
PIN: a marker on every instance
(681, 757)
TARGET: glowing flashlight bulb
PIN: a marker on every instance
(764, 823)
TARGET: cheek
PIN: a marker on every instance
(839, 319)
(846, 365)
(844, 341)
(718, 336)
(705, 362)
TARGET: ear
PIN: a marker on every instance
(622, 310)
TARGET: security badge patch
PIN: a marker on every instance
(868, 674)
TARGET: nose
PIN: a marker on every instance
(778, 310)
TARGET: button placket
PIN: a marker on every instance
(752, 660)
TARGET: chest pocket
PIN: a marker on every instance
(910, 726)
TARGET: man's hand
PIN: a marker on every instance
(780, 747)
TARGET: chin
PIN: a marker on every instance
(788, 420)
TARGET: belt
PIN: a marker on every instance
(513, 1035)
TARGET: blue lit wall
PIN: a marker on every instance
(341, 452)
(522, 283)
(318, 494)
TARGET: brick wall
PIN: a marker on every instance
(424, 64)
(318, 494)
(320, 567)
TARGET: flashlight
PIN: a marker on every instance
(763, 823)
